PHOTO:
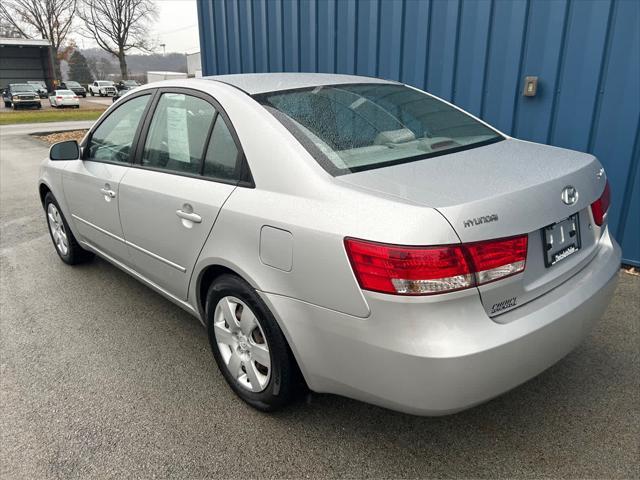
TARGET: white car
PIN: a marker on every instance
(104, 88)
(64, 98)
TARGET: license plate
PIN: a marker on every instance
(561, 240)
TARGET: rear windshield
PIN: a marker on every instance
(65, 93)
(105, 84)
(350, 128)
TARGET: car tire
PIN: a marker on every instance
(282, 377)
(14, 106)
(77, 106)
(7, 104)
(70, 252)
(91, 92)
(39, 106)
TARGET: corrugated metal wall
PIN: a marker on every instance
(474, 53)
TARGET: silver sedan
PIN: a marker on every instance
(352, 235)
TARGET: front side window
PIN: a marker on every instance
(111, 141)
(350, 128)
(178, 133)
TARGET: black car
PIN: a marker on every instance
(75, 87)
(21, 95)
(40, 86)
(127, 84)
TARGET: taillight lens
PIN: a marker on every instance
(600, 207)
(405, 270)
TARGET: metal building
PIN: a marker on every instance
(475, 53)
(23, 59)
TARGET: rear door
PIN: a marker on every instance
(91, 185)
(171, 198)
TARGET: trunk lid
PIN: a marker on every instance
(508, 188)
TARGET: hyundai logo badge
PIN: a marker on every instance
(569, 195)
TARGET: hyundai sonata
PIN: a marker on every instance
(356, 235)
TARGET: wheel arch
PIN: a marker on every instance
(43, 189)
(208, 274)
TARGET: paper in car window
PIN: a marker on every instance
(177, 134)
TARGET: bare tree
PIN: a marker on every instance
(49, 19)
(118, 26)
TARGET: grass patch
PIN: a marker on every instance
(38, 116)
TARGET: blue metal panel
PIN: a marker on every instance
(291, 35)
(346, 36)
(543, 50)
(443, 46)
(327, 36)
(390, 48)
(414, 42)
(309, 40)
(472, 54)
(274, 34)
(508, 31)
(260, 35)
(475, 52)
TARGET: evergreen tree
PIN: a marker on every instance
(79, 69)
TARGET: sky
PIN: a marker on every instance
(177, 27)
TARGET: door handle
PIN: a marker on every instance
(192, 217)
(108, 193)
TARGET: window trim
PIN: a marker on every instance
(136, 135)
(246, 178)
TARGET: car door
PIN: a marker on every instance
(168, 202)
(91, 185)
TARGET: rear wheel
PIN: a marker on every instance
(248, 345)
(92, 94)
(67, 247)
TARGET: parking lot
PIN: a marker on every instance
(89, 103)
(101, 377)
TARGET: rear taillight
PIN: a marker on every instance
(58, 98)
(406, 270)
(600, 207)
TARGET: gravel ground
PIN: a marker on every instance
(102, 378)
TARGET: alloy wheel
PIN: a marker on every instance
(242, 344)
(58, 232)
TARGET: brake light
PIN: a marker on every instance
(600, 207)
(58, 98)
(407, 270)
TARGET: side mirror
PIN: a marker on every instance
(68, 150)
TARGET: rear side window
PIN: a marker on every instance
(223, 160)
(111, 141)
(178, 133)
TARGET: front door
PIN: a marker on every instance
(169, 202)
(91, 186)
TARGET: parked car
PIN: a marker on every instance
(104, 88)
(75, 87)
(360, 234)
(40, 86)
(123, 89)
(21, 95)
(64, 98)
(127, 84)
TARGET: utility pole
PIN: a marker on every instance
(164, 49)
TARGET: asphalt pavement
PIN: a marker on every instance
(103, 378)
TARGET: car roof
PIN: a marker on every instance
(255, 83)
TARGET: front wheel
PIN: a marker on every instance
(248, 345)
(67, 247)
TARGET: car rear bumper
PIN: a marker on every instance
(431, 357)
